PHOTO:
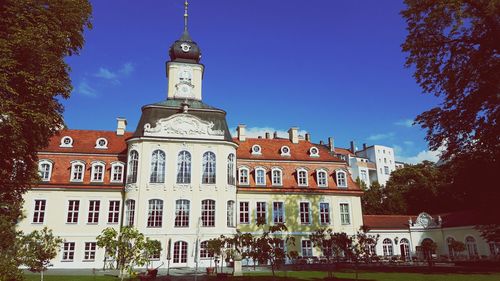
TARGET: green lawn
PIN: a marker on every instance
(309, 276)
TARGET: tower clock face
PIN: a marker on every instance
(184, 90)
(185, 74)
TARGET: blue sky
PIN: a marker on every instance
(332, 68)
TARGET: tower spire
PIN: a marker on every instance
(186, 4)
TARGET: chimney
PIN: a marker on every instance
(331, 144)
(121, 126)
(275, 135)
(293, 134)
(268, 135)
(320, 142)
(364, 146)
(308, 137)
(241, 132)
(352, 147)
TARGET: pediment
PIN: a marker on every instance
(183, 125)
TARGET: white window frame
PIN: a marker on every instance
(387, 171)
(230, 213)
(305, 218)
(181, 253)
(74, 163)
(345, 217)
(93, 214)
(314, 151)
(89, 251)
(240, 175)
(64, 144)
(325, 172)
(284, 152)
(114, 211)
(363, 174)
(68, 253)
(94, 170)
(103, 146)
(338, 179)
(209, 169)
(73, 212)
(155, 213)
(133, 166)
(130, 212)
(259, 211)
(258, 148)
(308, 249)
(231, 169)
(184, 167)
(261, 169)
(324, 215)
(39, 211)
(182, 213)
(112, 175)
(387, 247)
(49, 172)
(208, 214)
(158, 166)
(304, 178)
(243, 215)
(204, 254)
(280, 176)
(283, 217)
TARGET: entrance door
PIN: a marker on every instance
(180, 253)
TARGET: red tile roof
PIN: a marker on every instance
(84, 142)
(387, 221)
(271, 150)
(343, 151)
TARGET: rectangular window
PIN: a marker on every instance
(261, 214)
(68, 251)
(322, 178)
(98, 171)
(324, 213)
(130, 215)
(89, 254)
(345, 218)
(39, 214)
(117, 173)
(244, 213)
(114, 211)
(208, 213)
(77, 173)
(230, 214)
(73, 208)
(386, 170)
(155, 213)
(204, 254)
(181, 213)
(276, 177)
(364, 176)
(94, 206)
(278, 212)
(306, 248)
(260, 177)
(244, 176)
(305, 216)
(302, 178)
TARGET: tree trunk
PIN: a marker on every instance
(41, 275)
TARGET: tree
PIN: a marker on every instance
(38, 249)
(361, 249)
(454, 48)
(323, 239)
(35, 38)
(129, 247)
(216, 247)
(372, 200)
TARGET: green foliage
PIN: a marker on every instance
(454, 47)
(35, 38)
(38, 248)
(129, 247)
(490, 232)
(372, 200)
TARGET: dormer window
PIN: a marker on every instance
(256, 150)
(117, 169)
(322, 178)
(101, 143)
(97, 171)
(302, 177)
(45, 170)
(260, 176)
(243, 176)
(277, 175)
(314, 152)
(77, 171)
(66, 141)
(285, 151)
(341, 178)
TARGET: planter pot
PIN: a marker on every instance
(210, 270)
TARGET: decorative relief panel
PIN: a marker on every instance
(183, 125)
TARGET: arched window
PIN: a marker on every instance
(208, 168)
(181, 213)
(276, 177)
(404, 246)
(45, 170)
(230, 170)
(77, 171)
(184, 167)
(243, 176)
(97, 172)
(204, 254)
(370, 247)
(180, 252)
(341, 179)
(321, 177)
(230, 213)
(302, 177)
(387, 247)
(260, 176)
(157, 167)
(208, 213)
(471, 245)
(155, 213)
(130, 212)
(133, 163)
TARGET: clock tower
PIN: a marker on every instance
(184, 72)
